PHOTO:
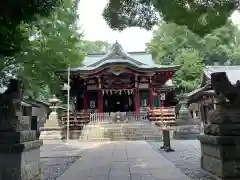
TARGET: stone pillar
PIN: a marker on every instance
(221, 143)
(20, 156)
(52, 127)
(19, 148)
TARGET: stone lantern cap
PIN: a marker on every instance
(54, 99)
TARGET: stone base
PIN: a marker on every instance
(186, 132)
(220, 156)
(51, 134)
(20, 156)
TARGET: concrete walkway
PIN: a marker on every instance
(123, 161)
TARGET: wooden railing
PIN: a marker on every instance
(77, 120)
(163, 116)
(99, 117)
(108, 117)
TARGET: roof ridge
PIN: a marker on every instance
(116, 49)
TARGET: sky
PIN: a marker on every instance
(95, 27)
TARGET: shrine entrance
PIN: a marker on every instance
(114, 102)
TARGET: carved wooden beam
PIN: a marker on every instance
(222, 86)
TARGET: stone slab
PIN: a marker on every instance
(226, 116)
(221, 152)
(223, 129)
(220, 155)
(20, 147)
(17, 137)
(223, 169)
(219, 140)
(51, 135)
(123, 161)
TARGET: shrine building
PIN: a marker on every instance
(120, 81)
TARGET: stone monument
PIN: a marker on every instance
(221, 143)
(52, 127)
(19, 148)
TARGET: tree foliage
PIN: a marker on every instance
(188, 77)
(201, 17)
(173, 44)
(94, 46)
(14, 13)
(53, 45)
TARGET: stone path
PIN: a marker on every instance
(135, 160)
(58, 156)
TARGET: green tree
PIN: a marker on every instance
(201, 17)
(94, 46)
(54, 45)
(168, 39)
(189, 76)
(220, 44)
(171, 42)
(15, 13)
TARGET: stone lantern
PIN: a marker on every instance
(184, 112)
(52, 128)
(53, 105)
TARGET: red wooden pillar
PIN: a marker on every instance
(137, 102)
(159, 99)
(100, 96)
(150, 95)
(100, 101)
(85, 100)
(137, 99)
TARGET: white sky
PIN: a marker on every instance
(95, 27)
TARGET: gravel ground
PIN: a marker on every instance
(187, 157)
(56, 159)
(54, 167)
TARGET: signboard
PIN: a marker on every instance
(92, 104)
(162, 97)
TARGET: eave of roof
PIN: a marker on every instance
(194, 95)
(143, 68)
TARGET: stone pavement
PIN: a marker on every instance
(135, 160)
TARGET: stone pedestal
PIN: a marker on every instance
(52, 128)
(20, 156)
(184, 114)
(221, 143)
(166, 141)
(186, 132)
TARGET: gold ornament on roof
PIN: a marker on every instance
(83, 76)
(117, 68)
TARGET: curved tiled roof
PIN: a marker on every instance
(117, 55)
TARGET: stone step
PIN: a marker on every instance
(118, 132)
(122, 139)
